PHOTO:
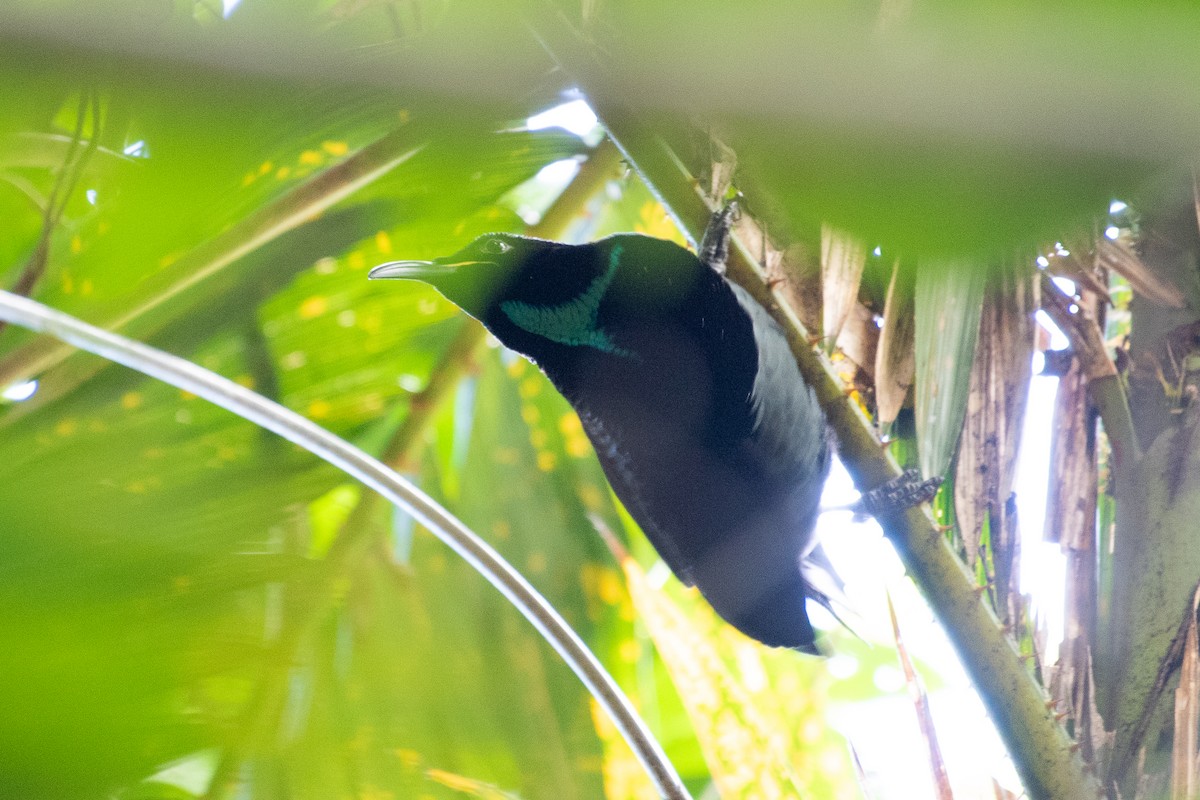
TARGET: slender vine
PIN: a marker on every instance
(375, 475)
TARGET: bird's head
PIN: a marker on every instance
(535, 294)
(477, 277)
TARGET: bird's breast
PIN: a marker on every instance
(668, 452)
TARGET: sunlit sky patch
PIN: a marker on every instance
(896, 765)
(867, 562)
(19, 392)
(558, 172)
(574, 116)
(1066, 284)
(530, 200)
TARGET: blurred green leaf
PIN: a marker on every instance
(155, 543)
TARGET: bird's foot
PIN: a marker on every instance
(898, 494)
(714, 246)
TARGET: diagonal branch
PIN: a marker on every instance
(1042, 751)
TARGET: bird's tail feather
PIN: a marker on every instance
(825, 587)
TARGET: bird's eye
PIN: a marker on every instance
(496, 246)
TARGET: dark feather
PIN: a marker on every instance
(689, 393)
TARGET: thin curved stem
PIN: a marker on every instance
(354, 535)
(193, 378)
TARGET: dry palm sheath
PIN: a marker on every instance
(690, 395)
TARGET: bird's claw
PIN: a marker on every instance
(714, 246)
(898, 494)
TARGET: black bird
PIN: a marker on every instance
(689, 394)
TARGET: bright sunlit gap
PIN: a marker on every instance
(1067, 285)
(531, 199)
(20, 392)
(883, 730)
(1116, 207)
(870, 566)
(1112, 232)
(1058, 339)
(575, 116)
(137, 149)
(559, 172)
(1043, 564)
(228, 7)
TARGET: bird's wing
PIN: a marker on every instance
(621, 468)
(788, 432)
